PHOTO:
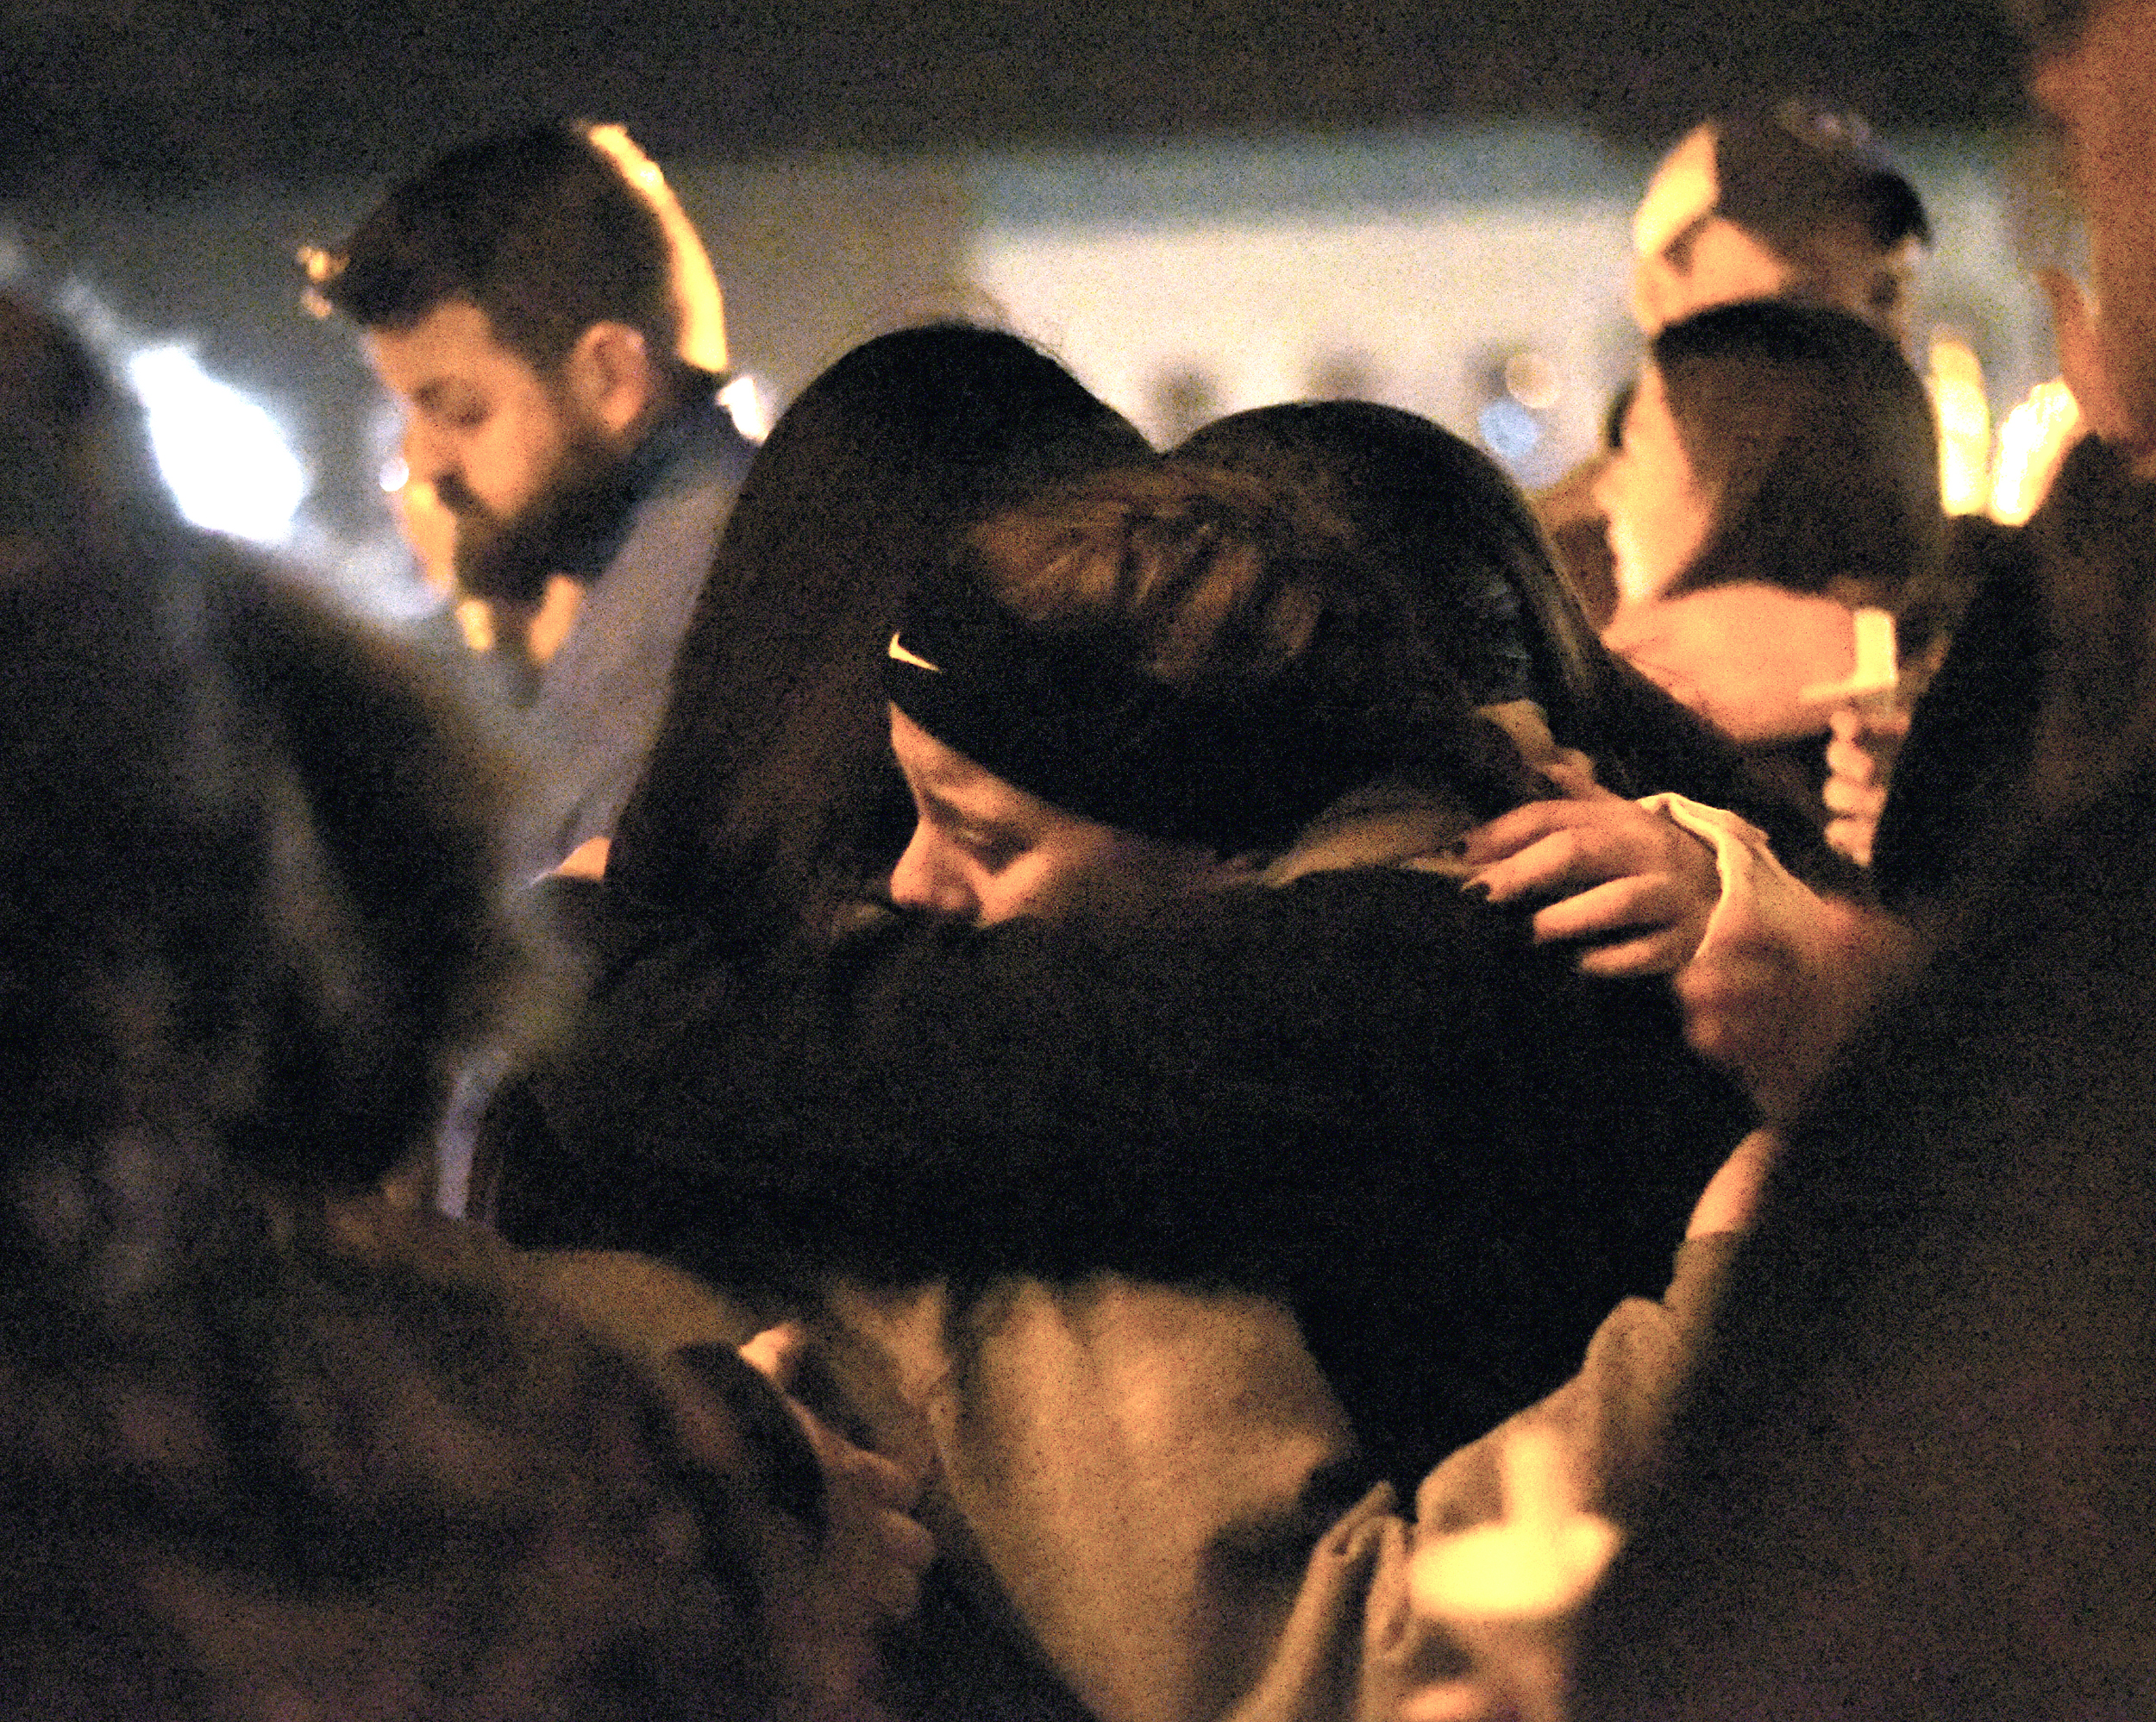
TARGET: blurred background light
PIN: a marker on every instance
(1963, 416)
(2032, 439)
(748, 406)
(1511, 430)
(1532, 381)
(222, 455)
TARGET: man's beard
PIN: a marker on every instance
(562, 529)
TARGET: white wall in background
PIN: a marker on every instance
(1183, 282)
(1416, 310)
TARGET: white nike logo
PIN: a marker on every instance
(919, 662)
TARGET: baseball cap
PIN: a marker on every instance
(1780, 174)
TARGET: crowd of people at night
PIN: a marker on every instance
(978, 1070)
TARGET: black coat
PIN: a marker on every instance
(1446, 1151)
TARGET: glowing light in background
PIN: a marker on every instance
(747, 406)
(220, 454)
(2032, 440)
(695, 287)
(1515, 421)
(1533, 381)
(1964, 423)
(1510, 430)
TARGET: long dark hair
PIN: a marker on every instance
(1422, 501)
(1816, 441)
(770, 781)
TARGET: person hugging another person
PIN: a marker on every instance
(1202, 1153)
(1779, 472)
(771, 802)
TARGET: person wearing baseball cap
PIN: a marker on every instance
(1795, 202)
(1800, 203)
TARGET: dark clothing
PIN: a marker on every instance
(1969, 739)
(1795, 768)
(1448, 1153)
(1913, 1472)
(357, 1462)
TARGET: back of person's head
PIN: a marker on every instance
(250, 921)
(73, 448)
(256, 820)
(267, 1438)
(1815, 441)
(1193, 655)
(250, 917)
(543, 230)
(1787, 172)
(252, 859)
(1420, 500)
(772, 766)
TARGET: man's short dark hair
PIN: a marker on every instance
(539, 229)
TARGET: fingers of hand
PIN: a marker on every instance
(1633, 903)
(777, 1352)
(874, 1572)
(1642, 925)
(1652, 954)
(1559, 847)
(1845, 795)
(1508, 834)
(866, 1499)
(907, 1550)
(870, 1570)
(1853, 837)
(873, 1477)
(1849, 761)
(885, 1480)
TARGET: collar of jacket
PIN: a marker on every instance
(1393, 822)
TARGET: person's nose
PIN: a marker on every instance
(427, 456)
(927, 876)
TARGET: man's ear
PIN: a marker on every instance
(610, 375)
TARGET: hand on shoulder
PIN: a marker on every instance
(1634, 889)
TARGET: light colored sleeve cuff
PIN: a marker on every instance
(1761, 901)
